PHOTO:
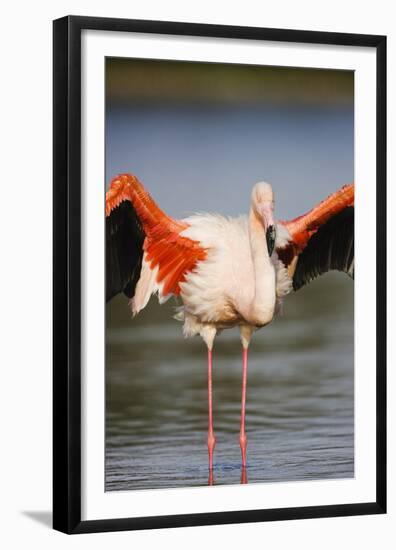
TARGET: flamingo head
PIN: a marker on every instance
(263, 207)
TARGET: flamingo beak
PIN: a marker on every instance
(270, 236)
(269, 223)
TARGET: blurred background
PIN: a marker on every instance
(199, 136)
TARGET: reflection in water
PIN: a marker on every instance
(244, 478)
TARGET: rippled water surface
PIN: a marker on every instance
(300, 419)
(299, 403)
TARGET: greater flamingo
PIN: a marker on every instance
(227, 271)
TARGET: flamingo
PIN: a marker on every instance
(227, 271)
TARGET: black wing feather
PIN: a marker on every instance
(124, 250)
(331, 247)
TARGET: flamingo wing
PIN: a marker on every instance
(322, 239)
(124, 250)
(138, 231)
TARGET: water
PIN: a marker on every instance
(208, 159)
(300, 420)
(299, 403)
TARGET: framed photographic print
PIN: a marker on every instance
(219, 274)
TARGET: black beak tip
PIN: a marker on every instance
(270, 237)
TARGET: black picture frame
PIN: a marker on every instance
(67, 273)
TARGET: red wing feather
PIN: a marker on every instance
(302, 228)
(174, 254)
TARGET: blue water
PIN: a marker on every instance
(195, 159)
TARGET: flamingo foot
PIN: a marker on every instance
(244, 479)
(243, 444)
(211, 446)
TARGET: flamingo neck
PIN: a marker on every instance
(263, 304)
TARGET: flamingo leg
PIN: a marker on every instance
(242, 433)
(211, 436)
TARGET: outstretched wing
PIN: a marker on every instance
(322, 239)
(138, 232)
(124, 250)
